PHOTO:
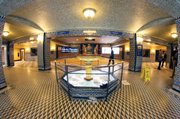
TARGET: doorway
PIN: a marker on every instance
(4, 55)
(22, 54)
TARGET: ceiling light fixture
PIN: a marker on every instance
(5, 33)
(31, 38)
(89, 32)
(140, 40)
(89, 12)
(174, 35)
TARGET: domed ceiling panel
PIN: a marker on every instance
(161, 32)
(124, 15)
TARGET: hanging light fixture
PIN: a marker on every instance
(5, 33)
(174, 35)
(89, 12)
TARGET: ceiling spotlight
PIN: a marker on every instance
(174, 35)
(5, 33)
(89, 12)
(31, 38)
(32, 42)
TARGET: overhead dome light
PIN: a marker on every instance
(89, 12)
(174, 35)
(5, 33)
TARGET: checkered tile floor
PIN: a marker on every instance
(35, 95)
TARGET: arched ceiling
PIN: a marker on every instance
(56, 15)
(124, 15)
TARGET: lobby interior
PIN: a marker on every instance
(46, 43)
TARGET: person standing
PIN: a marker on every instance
(164, 58)
(160, 59)
(111, 58)
(174, 59)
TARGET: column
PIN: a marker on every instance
(2, 77)
(176, 83)
(135, 57)
(10, 54)
(169, 54)
(43, 52)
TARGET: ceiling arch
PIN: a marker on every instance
(122, 15)
(17, 19)
(156, 22)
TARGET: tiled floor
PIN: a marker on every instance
(35, 95)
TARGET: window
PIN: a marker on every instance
(107, 50)
(146, 53)
(33, 51)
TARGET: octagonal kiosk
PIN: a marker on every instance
(88, 81)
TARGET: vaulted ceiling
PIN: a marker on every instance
(35, 16)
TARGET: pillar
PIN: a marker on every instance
(43, 52)
(135, 58)
(2, 77)
(176, 83)
(10, 54)
(169, 55)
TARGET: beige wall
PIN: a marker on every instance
(153, 48)
(16, 52)
(27, 46)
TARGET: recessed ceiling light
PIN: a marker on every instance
(5, 33)
(89, 12)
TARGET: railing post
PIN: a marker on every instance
(66, 72)
(122, 71)
(56, 71)
(113, 69)
(108, 82)
(65, 61)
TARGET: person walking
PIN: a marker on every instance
(174, 59)
(160, 59)
(111, 58)
(164, 58)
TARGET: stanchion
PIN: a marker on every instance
(66, 72)
(122, 69)
(56, 71)
(65, 61)
(108, 82)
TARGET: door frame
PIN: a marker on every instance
(20, 53)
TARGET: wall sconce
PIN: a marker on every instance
(174, 35)
(40, 38)
(5, 33)
(139, 40)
